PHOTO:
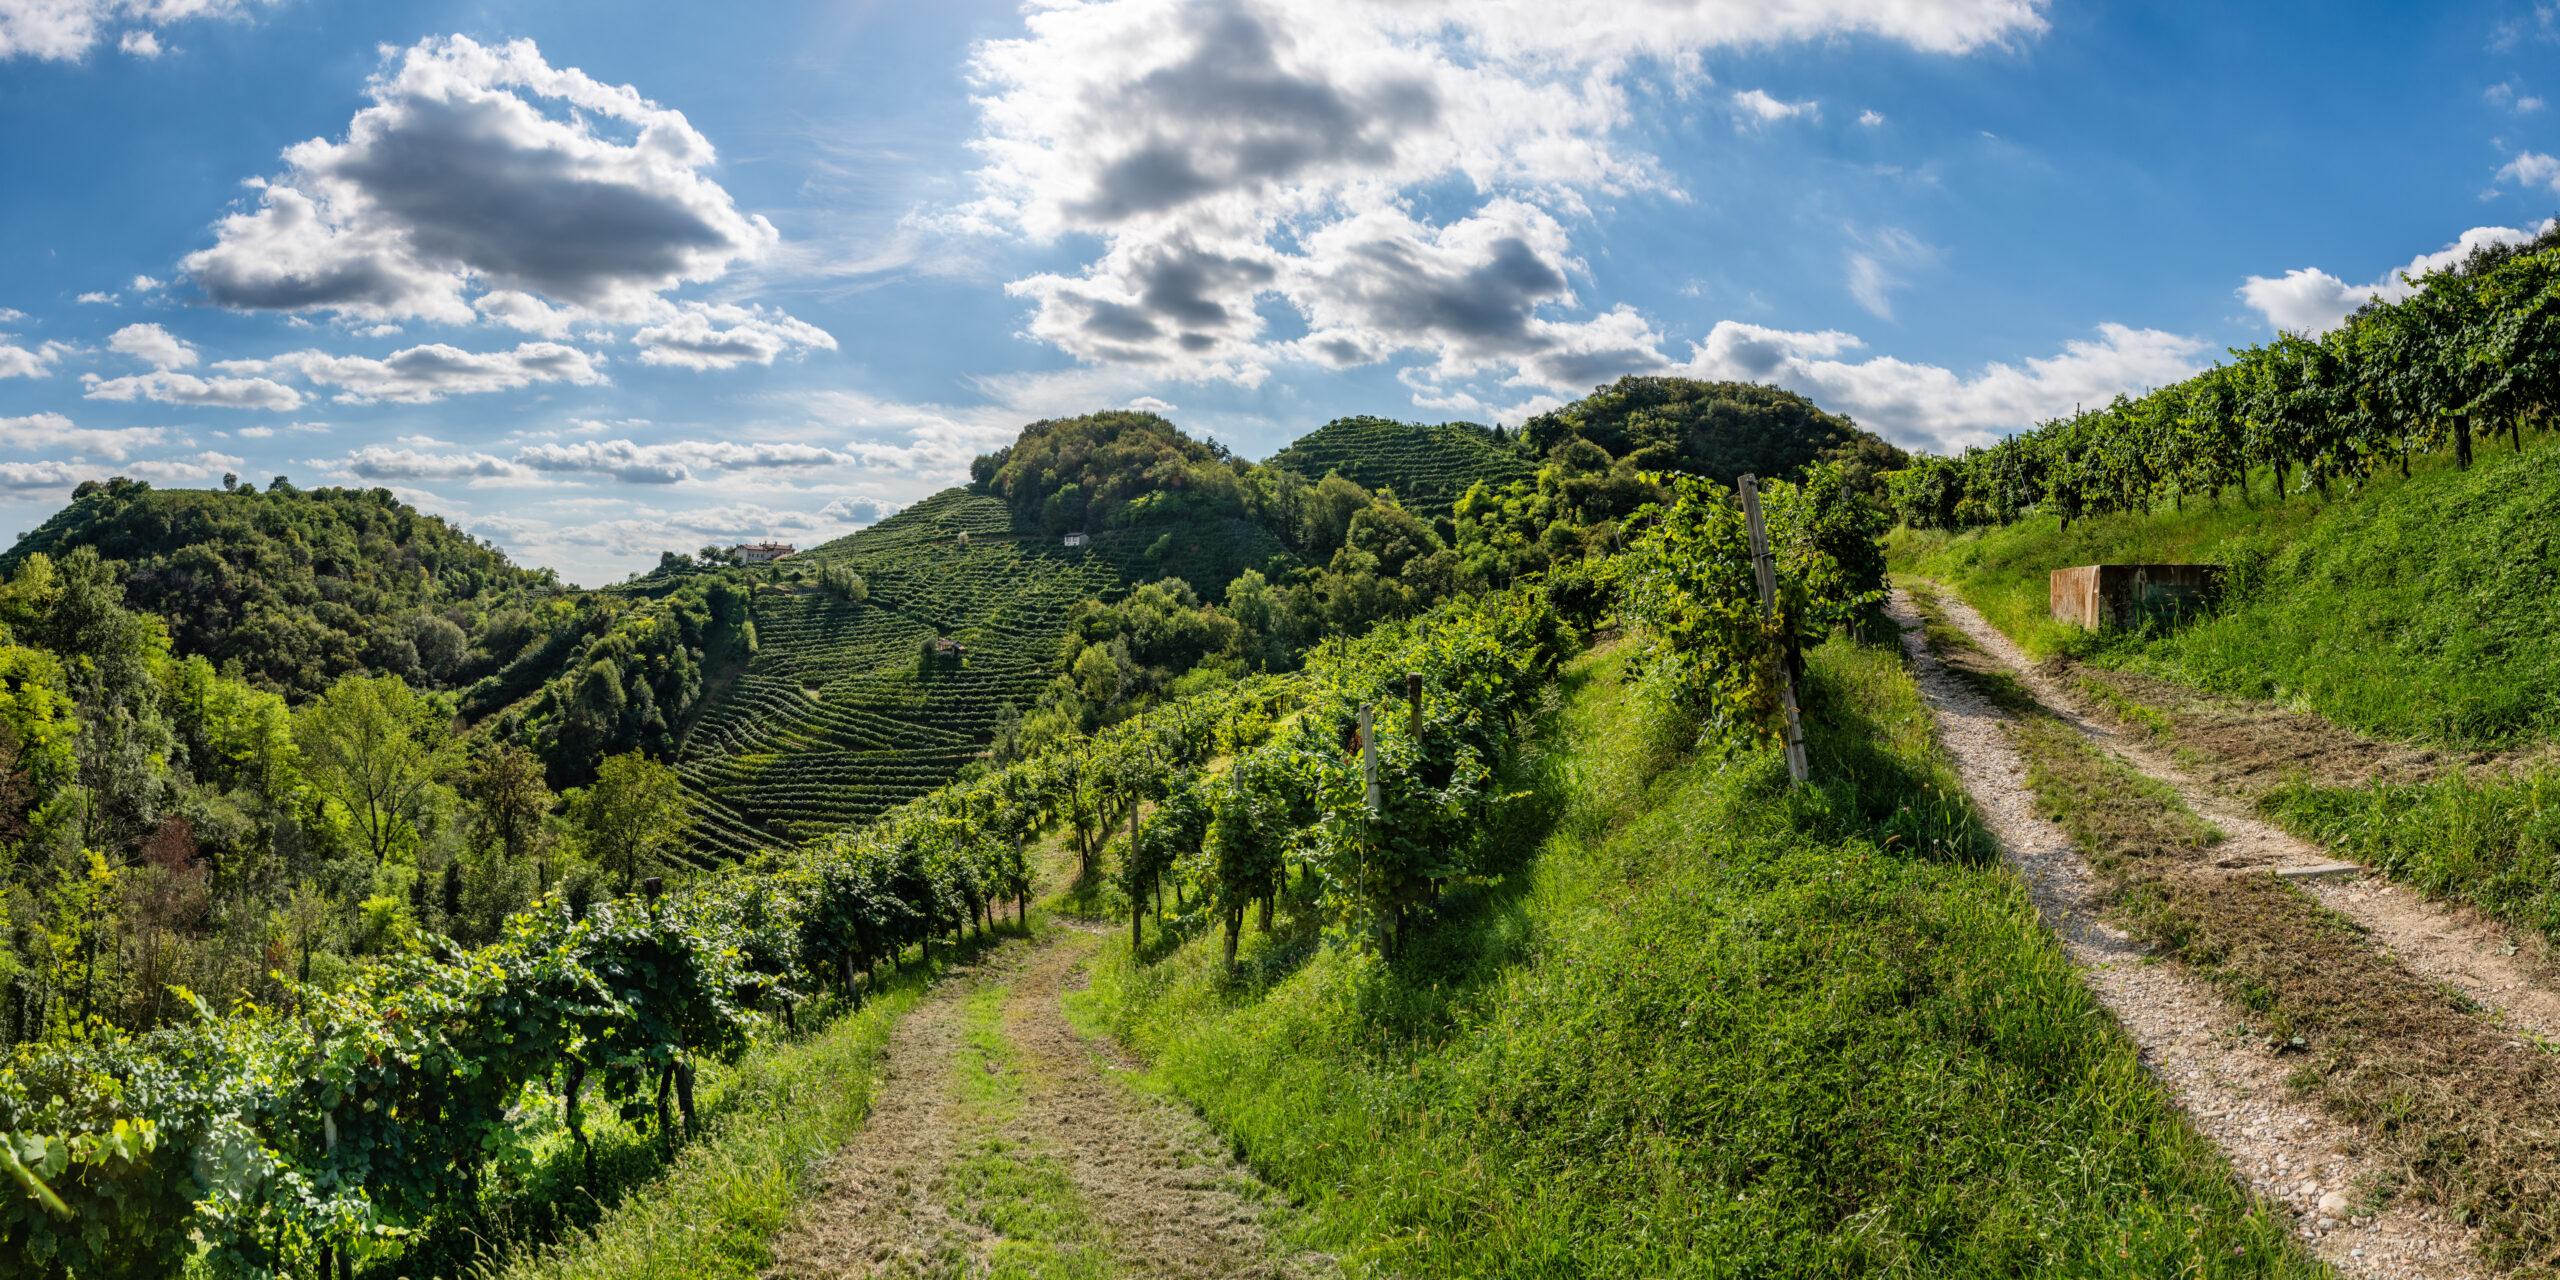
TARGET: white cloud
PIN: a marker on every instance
(425, 374)
(377, 462)
(1755, 107)
(2532, 169)
(2308, 300)
(96, 298)
(29, 362)
(673, 462)
(2508, 95)
(1150, 404)
(11, 315)
(152, 345)
(187, 389)
(52, 431)
(1227, 152)
(192, 469)
(62, 30)
(1876, 261)
(1871, 117)
(715, 336)
(1934, 407)
(484, 167)
(145, 284)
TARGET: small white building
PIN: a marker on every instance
(761, 552)
(1075, 539)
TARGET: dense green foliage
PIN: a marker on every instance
(1426, 467)
(1831, 1040)
(298, 587)
(2475, 349)
(2410, 609)
(1719, 430)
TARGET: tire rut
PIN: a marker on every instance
(2232, 1087)
(2447, 944)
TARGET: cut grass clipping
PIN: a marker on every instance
(1710, 1026)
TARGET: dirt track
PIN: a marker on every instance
(1006, 1142)
(2232, 1087)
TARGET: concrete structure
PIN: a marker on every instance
(2115, 597)
(1075, 539)
(761, 552)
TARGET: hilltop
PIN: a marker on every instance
(1427, 467)
(301, 586)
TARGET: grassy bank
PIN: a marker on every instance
(2419, 610)
(2456, 1105)
(1711, 1027)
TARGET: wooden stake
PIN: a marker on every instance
(1369, 759)
(1413, 698)
(1765, 567)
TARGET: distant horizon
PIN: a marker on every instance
(722, 280)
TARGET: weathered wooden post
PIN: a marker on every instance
(1765, 568)
(1413, 699)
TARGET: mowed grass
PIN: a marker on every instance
(2418, 610)
(1710, 1026)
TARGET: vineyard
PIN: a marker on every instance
(838, 717)
(1356, 794)
(2475, 351)
(1428, 467)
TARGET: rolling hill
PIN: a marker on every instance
(839, 714)
(1428, 467)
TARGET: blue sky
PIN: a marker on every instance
(596, 280)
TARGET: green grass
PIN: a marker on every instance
(1043, 1225)
(2417, 610)
(1711, 1026)
(769, 1120)
(2489, 840)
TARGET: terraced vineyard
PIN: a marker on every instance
(1429, 467)
(838, 718)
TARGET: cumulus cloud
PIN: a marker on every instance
(1753, 108)
(484, 167)
(1938, 408)
(719, 336)
(62, 30)
(96, 298)
(192, 469)
(428, 373)
(2506, 94)
(167, 387)
(29, 362)
(379, 462)
(54, 432)
(1871, 117)
(1229, 152)
(2532, 169)
(152, 345)
(2308, 300)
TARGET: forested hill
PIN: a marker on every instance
(1721, 430)
(1426, 467)
(302, 586)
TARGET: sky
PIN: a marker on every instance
(598, 280)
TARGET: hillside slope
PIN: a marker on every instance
(300, 586)
(2424, 609)
(839, 714)
(1428, 467)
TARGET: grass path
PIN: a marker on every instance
(2233, 1085)
(1004, 1143)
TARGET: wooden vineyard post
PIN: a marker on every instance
(1369, 760)
(1413, 699)
(1765, 568)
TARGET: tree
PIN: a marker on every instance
(376, 749)
(509, 800)
(635, 812)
